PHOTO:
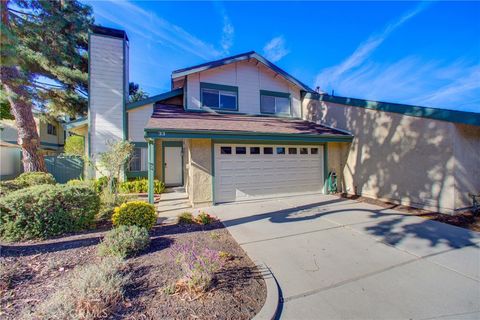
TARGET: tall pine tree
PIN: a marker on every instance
(44, 64)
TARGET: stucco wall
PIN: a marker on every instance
(337, 158)
(199, 181)
(467, 163)
(250, 77)
(394, 157)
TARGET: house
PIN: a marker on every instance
(241, 128)
(52, 140)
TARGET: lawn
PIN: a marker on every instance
(38, 269)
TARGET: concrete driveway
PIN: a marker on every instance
(340, 259)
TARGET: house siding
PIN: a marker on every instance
(137, 121)
(405, 159)
(250, 78)
(107, 89)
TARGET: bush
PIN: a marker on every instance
(198, 266)
(135, 213)
(91, 292)
(186, 218)
(43, 211)
(141, 186)
(28, 179)
(9, 186)
(82, 183)
(102, 183)
(204, 218)
(75, 146)
(124, 241)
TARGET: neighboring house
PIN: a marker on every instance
(52, 140)
(241, 128)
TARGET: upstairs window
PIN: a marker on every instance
(274, 102)
(51, 129)
(219, 96)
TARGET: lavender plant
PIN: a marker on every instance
(198, 265)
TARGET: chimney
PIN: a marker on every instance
(108, 89)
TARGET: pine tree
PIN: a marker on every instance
(44, 64)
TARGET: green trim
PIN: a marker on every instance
(235, 135)
(212, 146)
(275, 94)
(174, 144)
(75, 123)
(137, 174)
(140, 144)
(50, 144)
(280, 95)
(222, 87)
(151, 170)
(465, 117)
(325, 167)
(154, 99)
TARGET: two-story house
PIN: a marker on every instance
(241, 128)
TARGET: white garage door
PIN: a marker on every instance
(245, 171)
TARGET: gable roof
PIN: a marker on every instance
(238, 58)
(156, 98)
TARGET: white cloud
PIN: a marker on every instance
(151, 26)
(330, 77)
(275, 49)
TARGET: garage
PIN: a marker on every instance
(254, 171)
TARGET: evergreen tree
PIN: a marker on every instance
(44, 64)
(135, 93)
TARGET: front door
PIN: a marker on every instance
(173, 166)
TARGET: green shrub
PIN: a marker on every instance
(82, 183)
(204, 218)
(93, 291)
(9, 186)
(75, 146)
(29, 179)
(124, 241)
(186, 217)
(102, 183)
(47, 210)
(135, 213)
(141, 186)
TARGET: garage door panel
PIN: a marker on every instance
(250, 176)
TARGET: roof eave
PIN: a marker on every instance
(154, 99)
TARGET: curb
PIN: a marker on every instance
(272, 302)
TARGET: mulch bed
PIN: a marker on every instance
(464, 219)
(239, 291)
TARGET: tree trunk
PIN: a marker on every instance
(28, 137)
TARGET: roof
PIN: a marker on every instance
(116, 33)
(8, 144)
(75, 123)
(456, 116)
(153, 99)
(237, 58)
(169, 118)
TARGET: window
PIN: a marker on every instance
(292, 150)
(274, 102)
(314, 151)
(241, 150)
(268, 150)
(280, 150)
(254, 150)
(51, 129)
(303, 150)
(223, 99)
(139, 160)
(225, 150)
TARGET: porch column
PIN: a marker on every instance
(151, 168)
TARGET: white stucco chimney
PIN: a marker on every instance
(108, 89)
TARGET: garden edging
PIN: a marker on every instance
(270, 308)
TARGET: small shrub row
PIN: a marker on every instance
(141, 186)
(91, 292)
(202, 218)
(42, 211)
(124, 241)
(25, 180)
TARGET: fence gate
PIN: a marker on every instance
(64, 168)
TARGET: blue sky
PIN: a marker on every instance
(422, 53)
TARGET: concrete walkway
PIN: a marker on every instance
(340, 259)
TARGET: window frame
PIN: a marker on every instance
(220, 88)
(276, 94)
(53, 131)
(140, 159)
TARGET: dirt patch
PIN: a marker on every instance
(464, 219)
(239, 291)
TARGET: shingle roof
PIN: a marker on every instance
(168, 117)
